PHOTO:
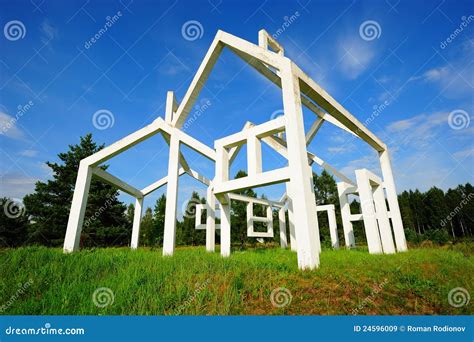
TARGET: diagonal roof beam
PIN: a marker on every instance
(273, 77)
(317, 94)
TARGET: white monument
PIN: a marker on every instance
(299, 200)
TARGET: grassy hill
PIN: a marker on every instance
(38, 280)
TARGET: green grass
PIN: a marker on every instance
(199, 283)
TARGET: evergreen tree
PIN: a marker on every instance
(146, 228)
(239, 215)
(104, 223)
(159, 221)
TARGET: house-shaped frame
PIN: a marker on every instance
(298, 90)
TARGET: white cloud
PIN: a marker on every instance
(455, 78)
(15, 185)
(48, 32)
(416, 131)
(354, 56)
(9, 128)
(28, 153)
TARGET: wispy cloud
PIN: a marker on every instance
(16, 185)
(454, 78)
(9, 128)
(48, 31)
(28, 153)
(354, 56)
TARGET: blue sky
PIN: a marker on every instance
(412, 87)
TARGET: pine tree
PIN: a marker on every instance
(104, 224)
(156, 238)
(239, 215)
(146, 228)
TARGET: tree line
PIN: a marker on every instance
(42, 217)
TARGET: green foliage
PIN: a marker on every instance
(438, 216)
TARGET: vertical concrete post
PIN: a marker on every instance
(333, 227)
(78, 208)
(254, 156)
(346, 214)
(383, 220)
(392, 199)
(137, 218)
(368, 212)
(210, 219)
(225, 228)
(249, 215)
(301, 178)
(291, 220)
(171, 197)
(282, 225)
